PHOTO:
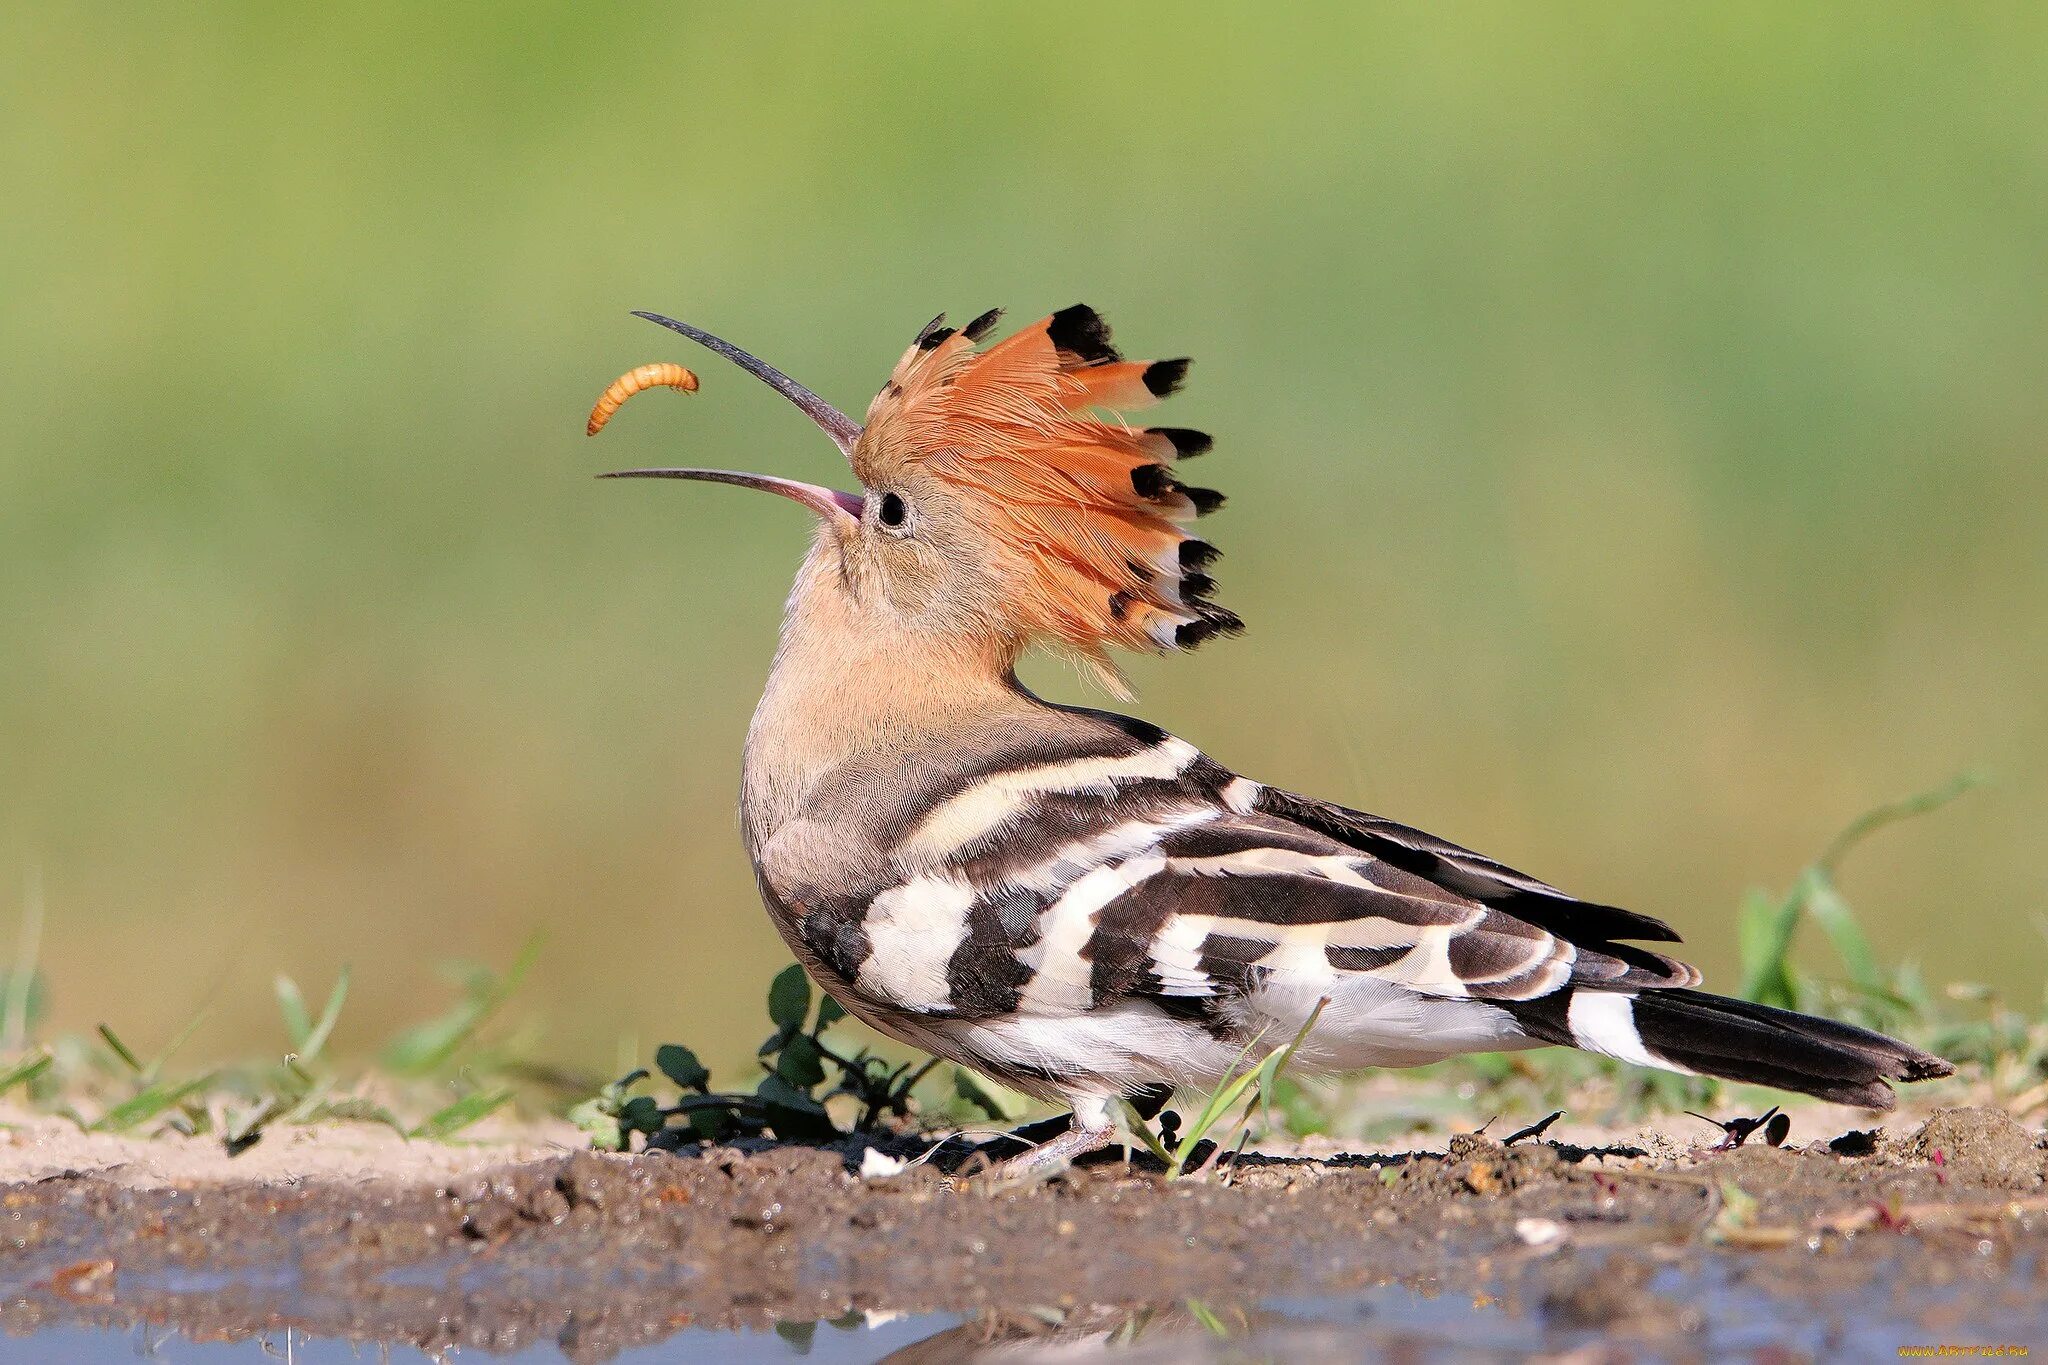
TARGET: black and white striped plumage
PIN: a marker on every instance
(1117, 911)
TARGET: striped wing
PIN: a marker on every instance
(1468, 873)
(1220, 909)
(1147, 872)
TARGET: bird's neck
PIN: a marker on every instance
(850, 685)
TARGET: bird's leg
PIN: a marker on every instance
(1091, 1128)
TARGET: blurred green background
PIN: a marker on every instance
(1633, 419)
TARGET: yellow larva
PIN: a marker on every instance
(665, 374)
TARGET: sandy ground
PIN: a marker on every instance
(1935, 1231)
(37, 1147)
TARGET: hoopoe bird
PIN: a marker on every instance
(1074, 902)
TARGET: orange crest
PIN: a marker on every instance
(1089, 506)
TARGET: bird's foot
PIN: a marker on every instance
(1049, 1158)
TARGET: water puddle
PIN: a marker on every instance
(1715, 1307)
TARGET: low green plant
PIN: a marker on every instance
(103, 1085)
(2005, 1047)
(438, 1053)
(431, 1046)
(1264, 1075)
(804, 1076)
(1767, 927)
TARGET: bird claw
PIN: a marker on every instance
(1049, 1159)
(1735, 1132)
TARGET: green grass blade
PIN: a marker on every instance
(427, 1047)
(1137, 1123)
(1220, 1099)
(446, 1122)
(24, 1072)
(312, 1044)
(1871, 821)
(1270, 1069)
(1838, 922)
(292, 1005)
(120, 1049)
(158, 1062)
(1766, 929)
(153, 1100)
(20, 1007)
(1764, 935)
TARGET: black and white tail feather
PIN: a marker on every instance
(1121, 911)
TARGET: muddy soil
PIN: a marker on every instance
(1933, 1235)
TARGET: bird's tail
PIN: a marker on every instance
(1711, 1035)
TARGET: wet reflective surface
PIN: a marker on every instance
(1718, 1308)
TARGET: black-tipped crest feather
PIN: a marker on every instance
(1079, 330)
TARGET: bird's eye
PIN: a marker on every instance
(892, 513)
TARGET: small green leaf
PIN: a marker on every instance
(830, 1012)
(794, 1116)
(641, 1115)
(789, 999)
(596, 1120)
(712, 1123)
(680, 1065)
(798, 1335)
(800, 1063)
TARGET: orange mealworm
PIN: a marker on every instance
(664, 374)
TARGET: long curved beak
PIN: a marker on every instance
(843, 430)
(826, 502)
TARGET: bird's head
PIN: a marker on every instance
(1002, 501)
